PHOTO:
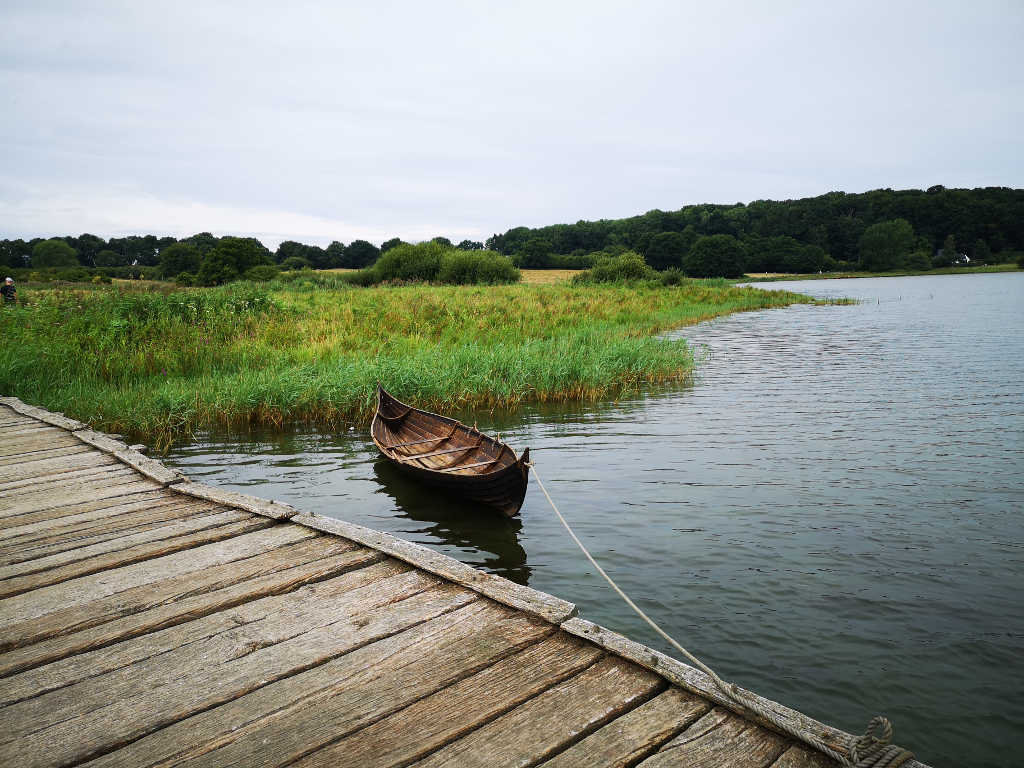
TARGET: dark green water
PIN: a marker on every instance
(830, 514)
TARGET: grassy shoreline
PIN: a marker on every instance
(156, 364)
(986, 268)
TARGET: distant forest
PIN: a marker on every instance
(877, 230)
(835, 230)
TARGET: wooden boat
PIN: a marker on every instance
(446, 453)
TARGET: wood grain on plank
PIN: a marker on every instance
(720, 739)
(553, 720)
(103, 469)
(49, 465)
(126, 550)
(431, 722)
(36, 542)
(277, 572)
(23, 446)
(91, 600)
(102, 506)
(635, 735)
(21, 557)
(155, 660)
(49, 498)
(13, 459)
(100, 715)
(695, 681)
(799, 756)
(313, 708)
(546, 606)
(14, 405)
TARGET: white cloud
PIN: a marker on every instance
(407, 119)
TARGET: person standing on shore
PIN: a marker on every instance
(9, 292)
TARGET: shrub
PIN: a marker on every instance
(73, 275)
(296, 262)
(262, 273)
(672, 276)
(574, 260)
(410, 263)
(185, 278)
(919, 260)
(362, 277)
(715, 256)
(476, 267)
(628, 266)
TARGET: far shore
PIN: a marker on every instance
(770, 277)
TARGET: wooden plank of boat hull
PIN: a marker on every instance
(256, 644)
(56, 497)
(460, 449)
(433, 721)
(43, 543)
(553, 720)
(110, 555)
(53, 465)
(91, 600)
(628, 739)
(212, 627)
(720, 739)
(78, 732)
(102, 506)
(275, 573)
(316, 707)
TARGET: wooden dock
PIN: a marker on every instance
(146, 620)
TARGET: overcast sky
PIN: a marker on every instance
(345, 120)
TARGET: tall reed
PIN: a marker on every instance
(156, 364)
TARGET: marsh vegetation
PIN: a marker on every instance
(157, 362)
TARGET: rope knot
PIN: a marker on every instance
(874, 749)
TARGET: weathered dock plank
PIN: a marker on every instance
(101, 506)
(305, 563)
(637, 734)
(435, 720)
(49, 537)
(320, 705)
(125, 550)
(553, 720)
(720, 739)
(148, 620)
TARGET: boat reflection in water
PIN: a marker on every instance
(471, 527)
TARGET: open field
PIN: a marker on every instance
(548, 276)
(158, 363)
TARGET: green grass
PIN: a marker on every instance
(895, 273)
(156, 363)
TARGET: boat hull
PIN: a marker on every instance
(447, 454)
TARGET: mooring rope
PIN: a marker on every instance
(866, 751)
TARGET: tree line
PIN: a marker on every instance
(878, 230)
(201, 258)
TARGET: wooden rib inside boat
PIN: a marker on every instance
(448, 454)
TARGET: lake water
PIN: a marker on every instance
(830, 514)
